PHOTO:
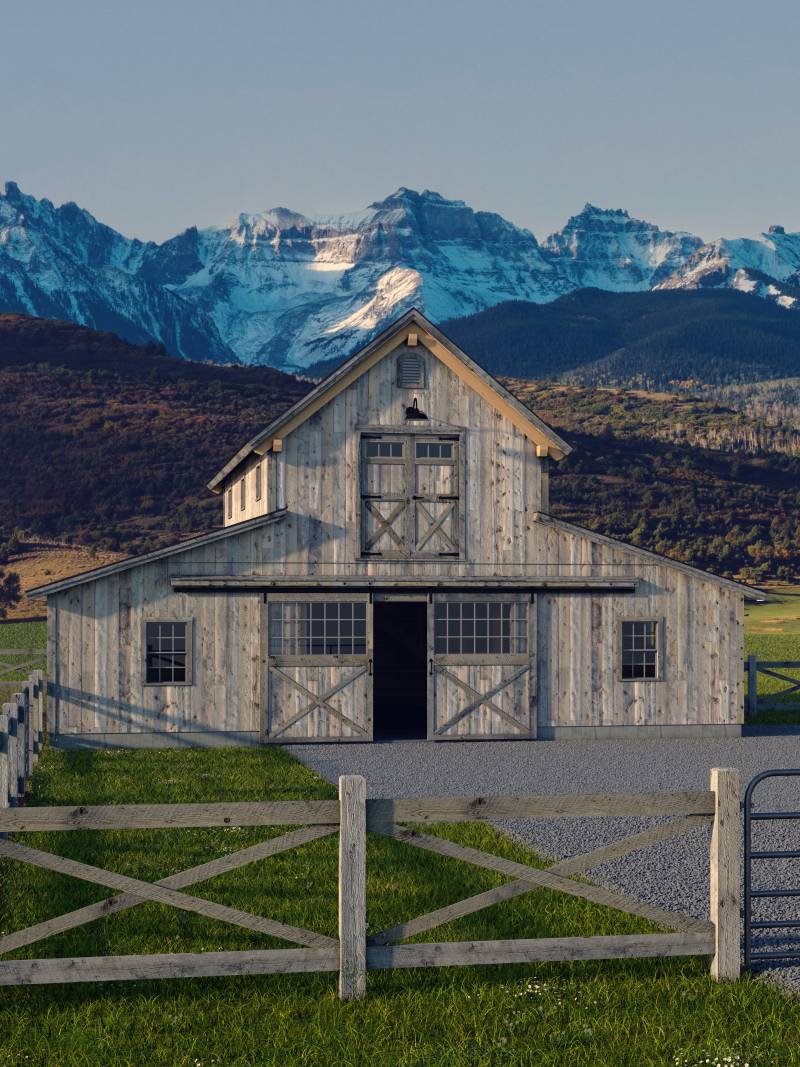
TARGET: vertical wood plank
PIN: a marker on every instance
(21, 745)
(10, 712)
(352, 887)
(4, 794)
(726, 872)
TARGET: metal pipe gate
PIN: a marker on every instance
(764, 956)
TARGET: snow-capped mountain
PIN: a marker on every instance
(609, 250)
(769, 268)
(288, 289)
(61, 263)
(293, 290)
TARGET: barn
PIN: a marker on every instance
(388, 567)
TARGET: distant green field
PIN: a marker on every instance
(19, 635)
(23, 635)
(772, 632)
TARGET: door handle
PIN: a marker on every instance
(430, 666)
(369, 671)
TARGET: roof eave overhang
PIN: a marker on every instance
(263, 583)
(750, 594)
(547, 442)
(111, 569)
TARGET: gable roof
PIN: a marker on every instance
(643, 553)
(159, 553)
(344, 375)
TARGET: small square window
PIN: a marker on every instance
(167, 653)
(639, 651)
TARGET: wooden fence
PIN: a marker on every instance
(771, 668)
(15, 663)
(21, 739)
(354, 952)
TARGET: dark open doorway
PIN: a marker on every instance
(400, 670)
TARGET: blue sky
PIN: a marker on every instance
(156, 116)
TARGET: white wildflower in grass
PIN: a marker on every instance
(730, 1059)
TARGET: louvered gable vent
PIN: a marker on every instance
(410, 371)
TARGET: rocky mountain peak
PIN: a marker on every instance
(292, 289)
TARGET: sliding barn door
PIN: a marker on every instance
(319, 653)
(481, 667)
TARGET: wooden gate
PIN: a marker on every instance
(481, 667)
(319, 660)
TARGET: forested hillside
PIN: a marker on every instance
(642, 340)
(109, 445)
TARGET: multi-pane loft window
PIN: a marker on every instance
(477, 627)
(318, 628)
(242, 494)
(167, 653)
(410, 496)
(230, 503)
(434, 449)
(383, 449)
(258, 481)
(639, 650)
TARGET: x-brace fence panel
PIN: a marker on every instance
(354, 952)
(321, 952)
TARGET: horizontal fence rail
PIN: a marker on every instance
(771, 668)
(355, 952)
(15, 662)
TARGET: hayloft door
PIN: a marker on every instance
(319, 658)
(480, 666)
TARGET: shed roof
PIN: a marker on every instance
(643, 553)
(440, 346)
(159, 553)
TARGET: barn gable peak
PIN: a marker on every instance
(411, 329)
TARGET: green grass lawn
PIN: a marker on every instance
(600, 1014)
(772, 632)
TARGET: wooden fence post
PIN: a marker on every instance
(27, 700)
(752, 686)
(38, 677)
(352, 887)
(3, 760)
(726, 872)
(22, 744)
(10, 711)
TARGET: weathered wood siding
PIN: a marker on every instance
(96, 658)
(459, 711)
(319, 468)
(702, 626)
(95, 631)
(294, 716)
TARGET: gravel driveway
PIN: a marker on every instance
(673, 874)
